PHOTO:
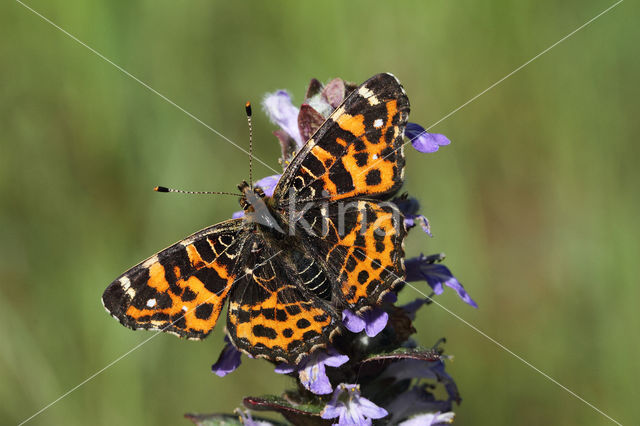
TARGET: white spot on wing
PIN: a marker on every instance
(365, 92)
(151, 303)
(378, 123)
(368, 94)
(147, 263)
(125, 282)
(337, 113)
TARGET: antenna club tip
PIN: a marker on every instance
(161, 189)
(247, 108)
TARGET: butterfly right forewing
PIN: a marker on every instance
(357, 152)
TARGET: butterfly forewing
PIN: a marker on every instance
(182, 289)
(357, 152)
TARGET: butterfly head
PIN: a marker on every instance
(257, 207)
(249, 196)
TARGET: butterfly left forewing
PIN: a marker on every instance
(182, 289)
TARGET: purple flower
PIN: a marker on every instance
(412, 307)
(423, 141)
(409, 208)
(351, 408)
(429, 419)
(247, 420)
(418, 219)
(311, 371)
(228, 360)
(282, 112)
(422, 268)
(419, 369)
(268, 184)
(372, 321)
(416, 400)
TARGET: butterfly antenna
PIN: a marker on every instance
(165, 189)
(247, 108)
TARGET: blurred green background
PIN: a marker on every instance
(535, 202)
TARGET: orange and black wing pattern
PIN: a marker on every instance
(357, 152)
(361, 244)
(182, 289)
(280, 309)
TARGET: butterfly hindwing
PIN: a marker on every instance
(274, 314)
(181, 289)
(358, 151)
(361, 243)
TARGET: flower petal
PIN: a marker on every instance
(282, 112)
(352, 409)
(371, 410)
(410, 222)
(309, 120)
(422, 268)
(335, 360)
(411, 369)
(228, 361)
(312, 372)
(334, 407)
(332, 411)
(423, 141)
(409, 207)
(334, 92)
(285, 368)
(314, 378)
(438, 273)
(412, 307)
(390, 297)
(417, 400)
(429, 419)
(268, 184)
(353, 322)
(375, 321)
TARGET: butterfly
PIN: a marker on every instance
(297, 258)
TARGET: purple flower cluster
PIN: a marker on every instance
(351, 408)
(395, 376)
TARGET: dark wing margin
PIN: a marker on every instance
(358, 151)
(182, 289)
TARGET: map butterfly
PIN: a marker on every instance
(287, 290)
